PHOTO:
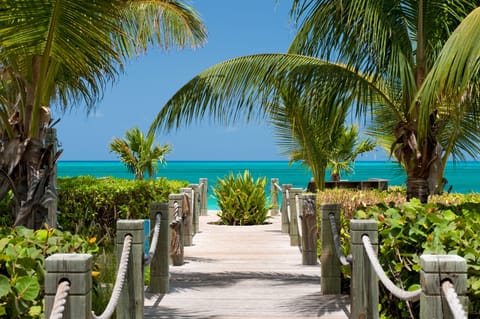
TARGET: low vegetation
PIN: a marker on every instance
(91, 206)
(448, 224)
(22, 263)
(242, 200)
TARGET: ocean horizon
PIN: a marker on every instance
(462, 177)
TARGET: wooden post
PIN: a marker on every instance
(130, 302)
(364, 283)
(187, 230)
(309, 230)
(435, 270)
(159, 267)
(176, 215)
(196, 208)
(330, 264)
(285, 200)
(274, 197)
(51, 139)
(204, 196)
(77, 270)
(295, 239)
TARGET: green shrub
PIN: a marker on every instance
(91, 206)
(242, 201)
(22, 257)
(413, 229)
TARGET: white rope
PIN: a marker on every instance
(119, 281)
(299, 227)
(153, 245)
(176, 216)
(399, 293)
(336, 241)
(60, 300)
(452, 299)
(287, 195)
(277, 186)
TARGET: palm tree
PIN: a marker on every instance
(139, 154)
(412, 65)
(346, 151)
(302, 134)
(63, 53)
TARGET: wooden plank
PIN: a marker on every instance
(244, 272)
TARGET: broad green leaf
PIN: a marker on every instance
(4, 285)
(27, 288)
(35, 311)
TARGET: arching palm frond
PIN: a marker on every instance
(454, 81)
(245, 88)
(161, 23)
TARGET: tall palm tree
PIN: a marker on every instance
(139, 153)
(412, 65)
(63, 53)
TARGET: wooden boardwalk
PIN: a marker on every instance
(244, 272)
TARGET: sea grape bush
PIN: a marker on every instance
(22, 257)
(91, 206)
(411, 229)
(241, 199)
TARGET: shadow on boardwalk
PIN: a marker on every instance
(244, 272)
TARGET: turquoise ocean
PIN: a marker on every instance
(463, 177)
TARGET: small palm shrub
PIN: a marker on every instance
(242, 200)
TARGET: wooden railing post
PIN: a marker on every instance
(295, 239)
(187, 230)
(330, 264)
(130, 303)
(77, 270)
(435, 269)
(204, 196)
(176, 225)
(309, 230)
(285, 200)
(159, 267)
(274, 197)
(364, 283)
(196, 208)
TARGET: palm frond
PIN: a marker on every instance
(244, 88)
(455, 75)
(161, 23)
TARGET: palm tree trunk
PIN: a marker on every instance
(417, 188)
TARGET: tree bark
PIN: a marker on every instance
(417, 188)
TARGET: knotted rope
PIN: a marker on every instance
(399, 293)
(147, 259)
(119, 281)
(345, 261)
(452, 300)
(60, 300)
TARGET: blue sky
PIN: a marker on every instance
(235, 28)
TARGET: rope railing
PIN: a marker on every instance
(453, 302)
(287, 201)
(60, 300)
(297, 207)
(277, 187)
(119, 281)
(147, 259)
(345, 261)
(397, 292)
